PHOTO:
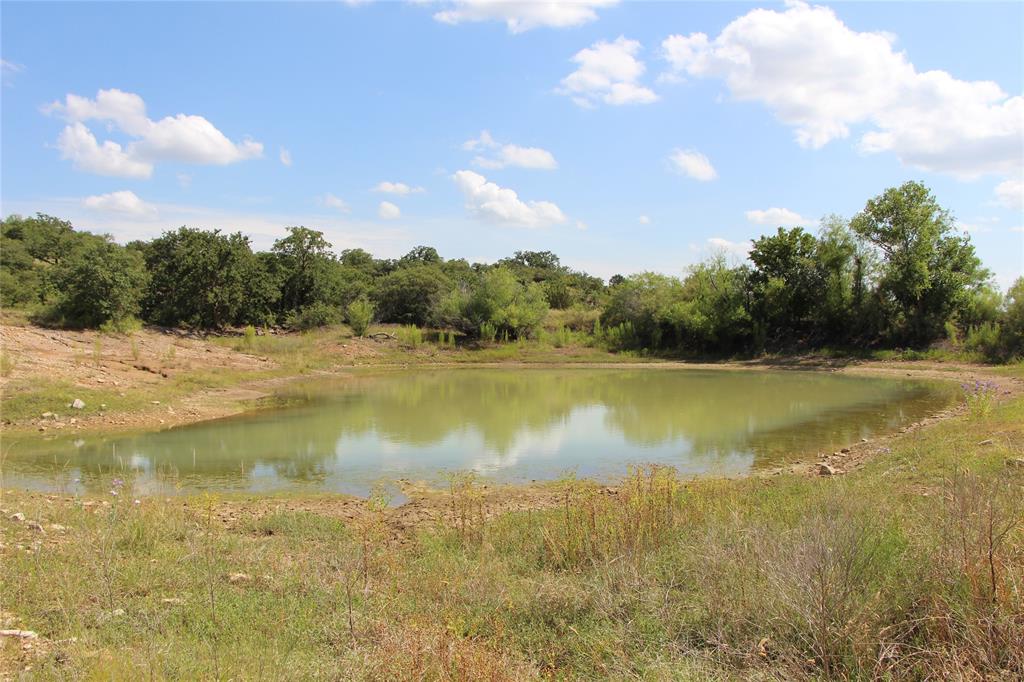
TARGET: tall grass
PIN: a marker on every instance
(410, 336)
(910, 568)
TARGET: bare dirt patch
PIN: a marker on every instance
(90, 358)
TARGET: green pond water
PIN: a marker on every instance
(350, 434)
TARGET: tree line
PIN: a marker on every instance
(897, 274)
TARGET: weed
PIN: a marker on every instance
(980, 397)
(410, 336)
(249, 337)
(7, 364)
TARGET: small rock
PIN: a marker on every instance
(1015, 462)
(987, 441)
(236, 578)
(57, 527)
(172, 600)
(20, 634)
(826, 469)
(17, 516)
(845, 451)
(863, 440)
(48, 415)
(77, 404)
(154, 402)
(36, 527)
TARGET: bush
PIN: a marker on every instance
(126, 325)
(101, 282)
(410, 335)
(317, 314)
(359, 316)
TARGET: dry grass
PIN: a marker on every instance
(910, 568)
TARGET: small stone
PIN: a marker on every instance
(863, 440)
(17, 516)
(48, 415)
(845, 451)
(57, 527)
(78, 404)
(1015, 462)
(172, 600)
(826, 469)
(987, 441)
(236, 578)
(155, 402)
(36, 527)
(20, 634)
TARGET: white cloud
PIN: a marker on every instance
(490, 202)
(821, 77)
(184, 180)
(8, 70)
(1010, 193)
(1019, 228)
(523, 15)
(120, 202)
(609, 73)
(388, 211)
(331, 201)
(285, 156)
(644, 220)
(184, 138)
(399, 188)
(505, 155)
(78, 145)
(693, 164)
(776, 217)
(738, 249)
(580, 225)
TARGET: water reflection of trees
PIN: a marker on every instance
(715, 413)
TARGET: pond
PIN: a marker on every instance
(515, 425)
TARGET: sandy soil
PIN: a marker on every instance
(148, 359)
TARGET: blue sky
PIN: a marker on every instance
(622, 136)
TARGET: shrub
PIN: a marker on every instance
(317, 314)
(410, 335)
(359, 315)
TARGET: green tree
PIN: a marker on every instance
(306, 269)
(785, 283)
(420, 255)
(1012, 327)
(29, 249)
(497, 299)
(651, 304)
(410, 295)
(714, 315)
(927, 270)
(99, 282)
(206, 279)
